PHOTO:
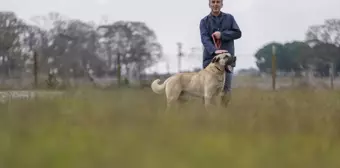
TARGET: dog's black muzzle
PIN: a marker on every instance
(231, 62)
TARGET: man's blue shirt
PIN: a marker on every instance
(230, 31)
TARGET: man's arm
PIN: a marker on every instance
(233, 33)
(205, 39)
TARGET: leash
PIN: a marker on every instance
(216, 42)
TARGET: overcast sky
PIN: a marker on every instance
(261, 21)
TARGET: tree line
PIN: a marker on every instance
(319, 50)
(71, 47)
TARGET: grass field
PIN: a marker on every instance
(127, 128)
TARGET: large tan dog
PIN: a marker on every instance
(207, 83)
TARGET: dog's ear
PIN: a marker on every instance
(215, 59)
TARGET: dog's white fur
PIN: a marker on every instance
(207, 83)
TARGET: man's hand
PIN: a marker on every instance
(217, 34)
(220, 51)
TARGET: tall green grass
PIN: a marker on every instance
(128, 128)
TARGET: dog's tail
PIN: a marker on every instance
(158, 88)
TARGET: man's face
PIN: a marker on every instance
(215, 5)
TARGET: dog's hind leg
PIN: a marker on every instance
(172, 104)
(172, 97)
(183, 98)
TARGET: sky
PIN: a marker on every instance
(261, 21)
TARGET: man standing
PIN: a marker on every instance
(224, 28)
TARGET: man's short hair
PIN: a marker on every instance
(220, 0)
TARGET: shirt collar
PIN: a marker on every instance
(210, 14)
